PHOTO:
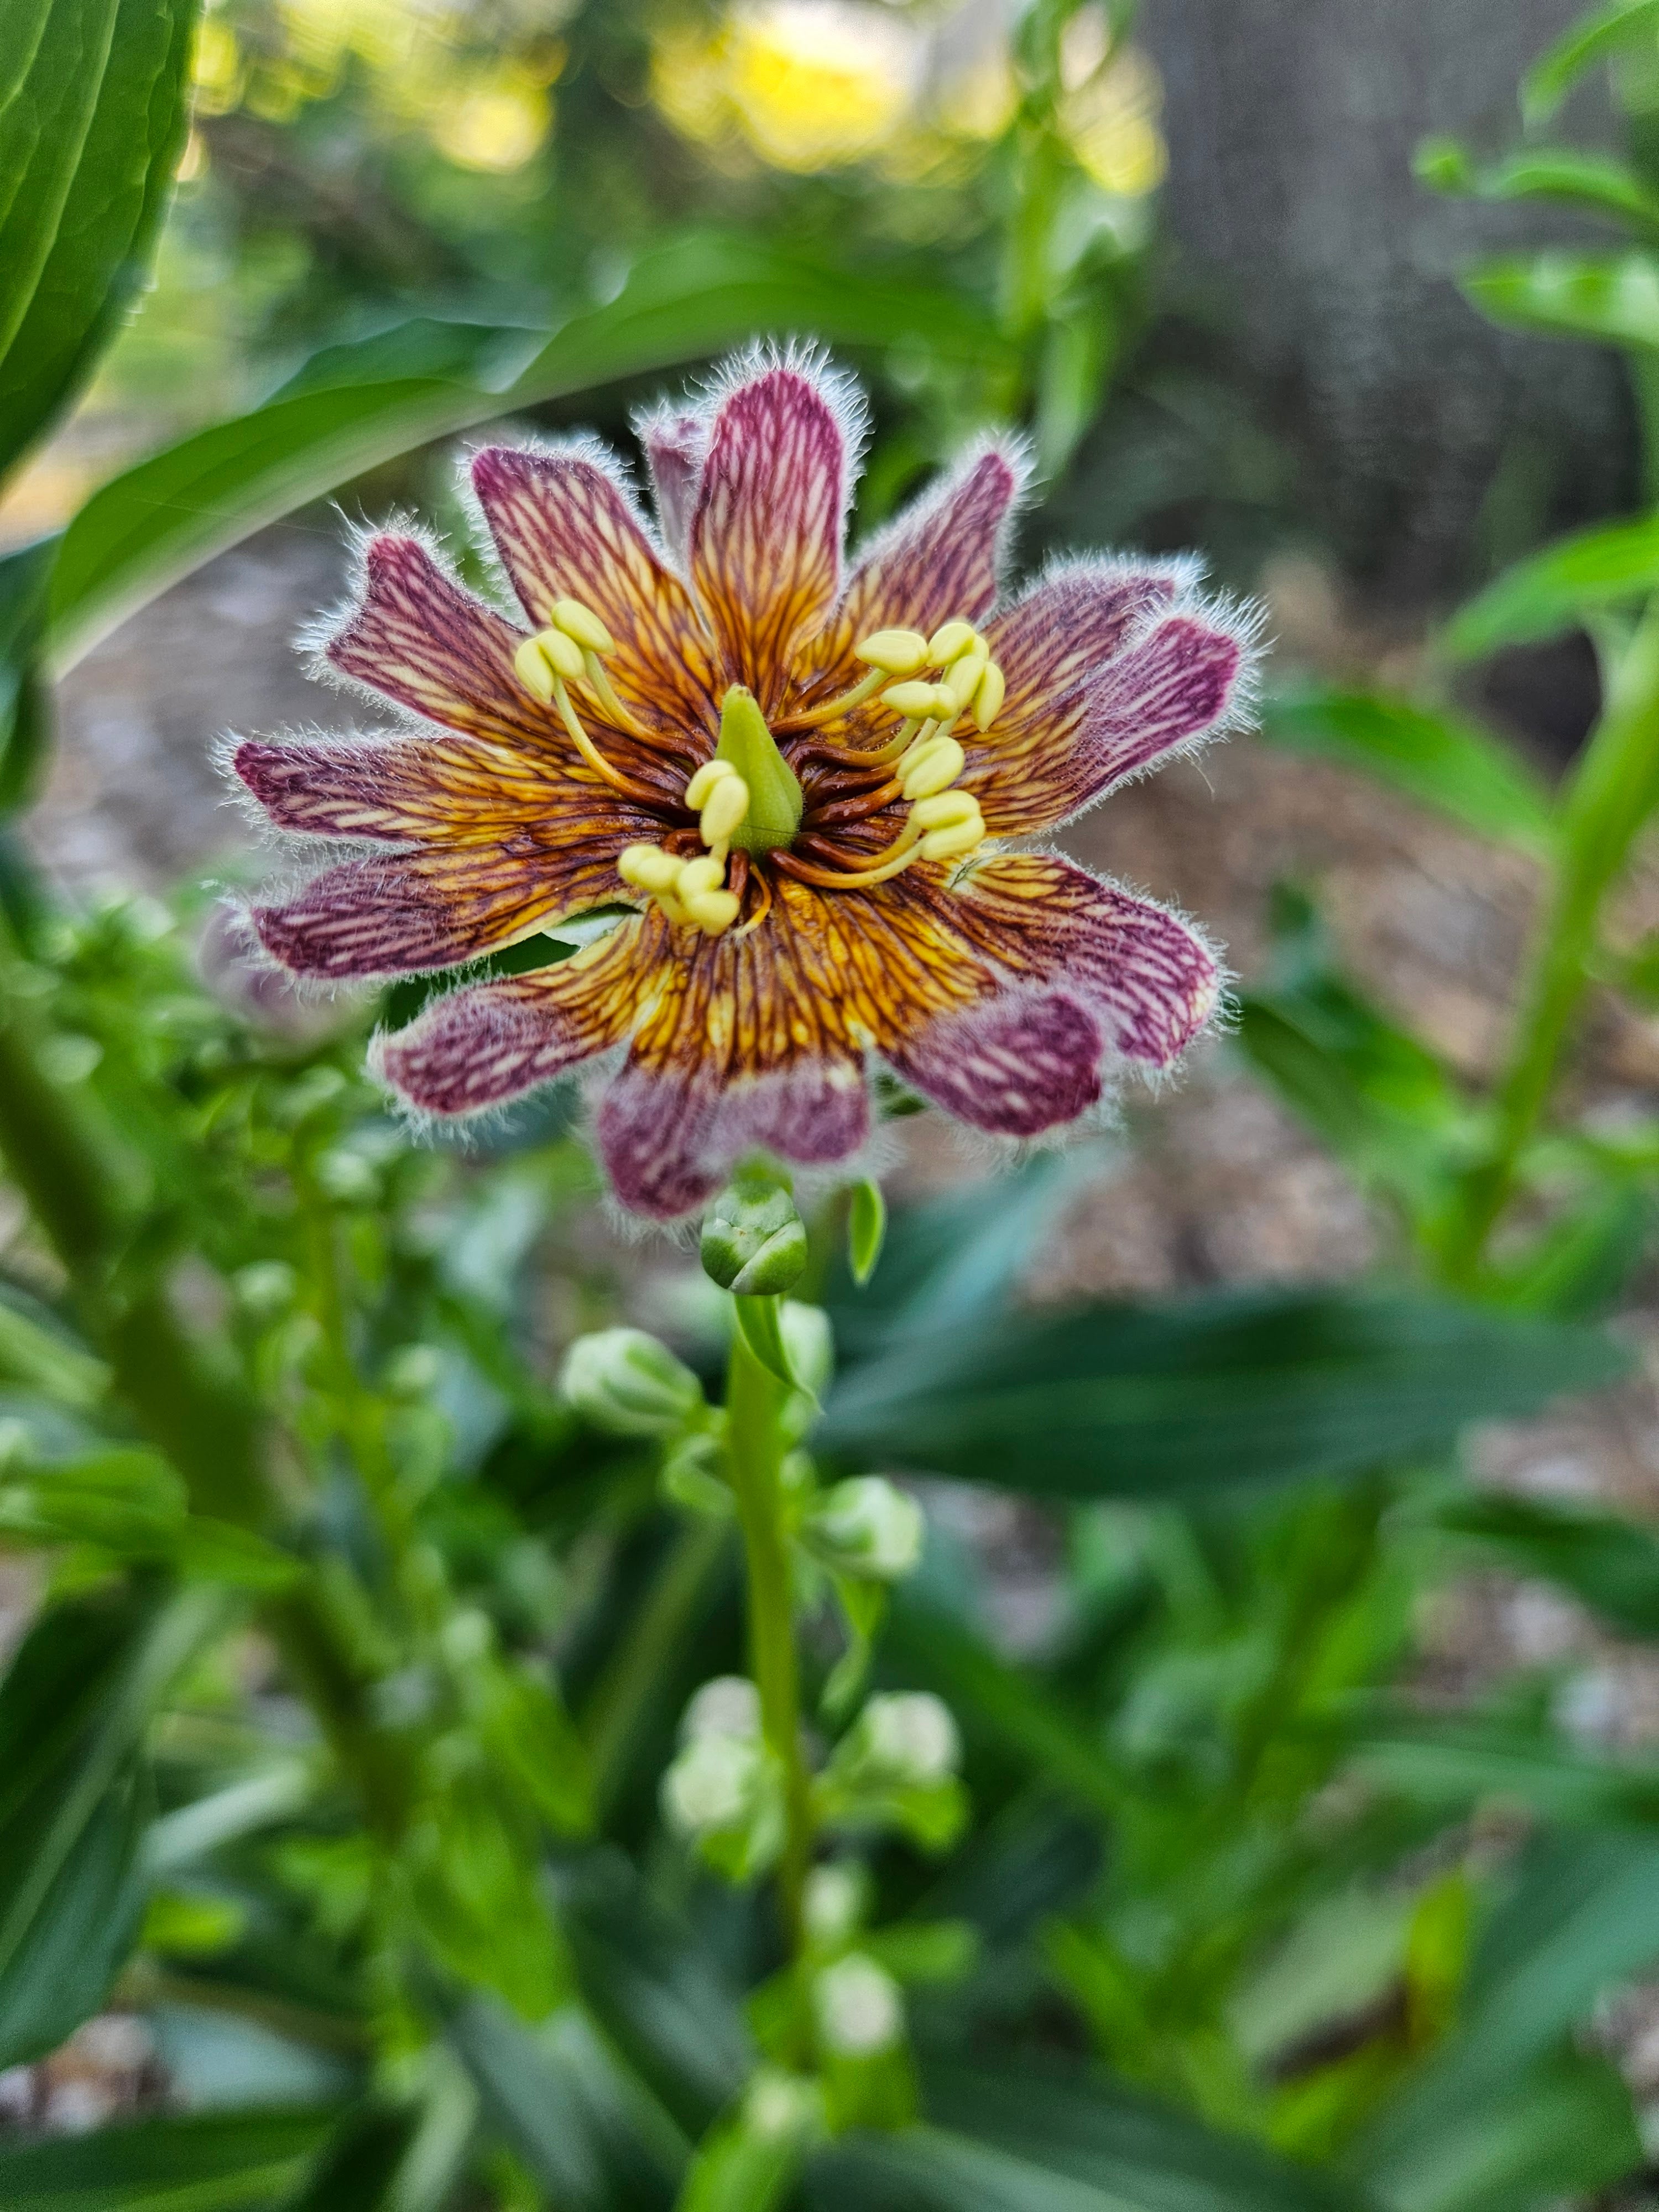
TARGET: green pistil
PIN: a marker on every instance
(775, 796)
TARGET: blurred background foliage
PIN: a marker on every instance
(349, 1654)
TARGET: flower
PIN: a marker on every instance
(789, 777)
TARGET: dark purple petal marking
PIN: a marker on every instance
(391, 790)
(766, 537)
(1021, 1062)
(418, 638)
(565, 528)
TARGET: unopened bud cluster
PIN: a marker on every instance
(724, 1793)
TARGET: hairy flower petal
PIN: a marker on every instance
(480, 1047)
(1066, 743)
(766, 537)
(415, 637)
(566, 527)
(676, 443)
(439, 906)
(1147, 977)
(1020, 1062)
(939, 559)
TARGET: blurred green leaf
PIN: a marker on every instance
(36, 1350)
(92, 120)
(1582, 1263)
(1594, 38)
(1452, 1766)
(582, 2122)
(359, 2168)
(1580, 1915)
(1258, 1386)
(1433, 757)
(1592, 181)
(23, 720)
(1555, 590)
(1613, 1565)
(200, 2162)
(681, 303)
(1613, 297)
(73, 1708)
(1017, 2139)
(1381, 1101)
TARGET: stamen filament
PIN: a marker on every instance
(595, 759)
(833, 710)
(604, 691)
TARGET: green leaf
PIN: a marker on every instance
(585, 2126)
(681, 303)
(23, 719)
(866, 1230)
(1596, 37)
(1592, 181)
(73, 1707)
(37, 1350)
(92, 120)
(1434, 757)
(1613, 297)
(1581, 1914)
(1554, 590)
(1205, 1395)
(1613, 1565)
(1380, 1099)
(1451, 1767)
(205, 2162)
(359, 2169)
(1017, 2139)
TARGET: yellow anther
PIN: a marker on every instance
(711, 773)
(696, 877)
(963, 678)
(649, 868)
(932, 768)
(549, 653)
(894, 651)
(713, 911)
(950, 643)
(919, 703)
(951, 824)
(724, 809)
(988, 703)
(582, 624)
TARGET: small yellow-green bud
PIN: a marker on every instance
(754, 1242)
(963, 678)
(541, 658)
(626, 1382)
(700, 875)
(583, 625)
(895, 652)
(952, 823)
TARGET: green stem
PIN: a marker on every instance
(1609, 800)
(754, 1405)
(636, 1673)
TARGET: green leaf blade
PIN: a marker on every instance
(1558, 589)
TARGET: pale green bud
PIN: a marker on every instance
(624, 1381)
(859, 2008)
(908, 1738)
(754, 1242)
(866, 1528)
(834, 1903)
(728, 1705)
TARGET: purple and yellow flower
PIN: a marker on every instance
(815, 796)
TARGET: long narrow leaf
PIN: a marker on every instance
(1594, 38)
(206, 2162)
(1556, 589)
(1613, 297)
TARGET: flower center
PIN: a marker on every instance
(749, 798)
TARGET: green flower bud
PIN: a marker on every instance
(694, 1476)
(729, 1705)
(834, 1904)
(754, 1242)
(907, 1739)
(866, 1528)
(624, 1381)
(859, 2007)
(724, 1792)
